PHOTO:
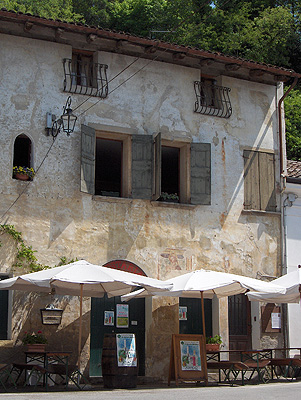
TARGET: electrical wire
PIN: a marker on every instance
(117, 87)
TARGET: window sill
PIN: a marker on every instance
(109, 199)
(173, 205)
(261, 212)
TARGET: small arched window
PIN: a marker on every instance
(22, 152)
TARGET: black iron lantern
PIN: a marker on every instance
(51, 315)
(68, 119)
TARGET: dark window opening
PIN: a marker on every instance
(22, 152)
(108, 170)
(82, 69)
(170, 170)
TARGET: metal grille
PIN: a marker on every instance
(212, 100)
(85, 77)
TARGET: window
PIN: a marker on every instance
(212, 99)
(22, 151)
(142, 167)
(83, 75)
(4, 304)
(259, 181)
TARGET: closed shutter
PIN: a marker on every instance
(267, 181)
(157, 167)
(200, 173)
(142, 155)
(87, 183)
(259, 181)
(251, 180)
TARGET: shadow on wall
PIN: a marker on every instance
(27, 318)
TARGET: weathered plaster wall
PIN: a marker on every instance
(58, 220)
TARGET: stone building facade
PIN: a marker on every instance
(212, 119)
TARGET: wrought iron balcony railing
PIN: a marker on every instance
(85, 78)
(212, 100)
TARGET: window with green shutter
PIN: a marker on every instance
(259, 181)
(144, 167)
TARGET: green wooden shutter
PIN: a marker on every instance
(142, 156)
(200, 173)
(267, 181)
(88, 160)
(157, 166)
(251, 180)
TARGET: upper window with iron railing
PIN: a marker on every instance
(84, 76)
(212, 99)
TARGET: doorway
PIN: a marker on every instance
(191, 322)
(240, 329)
(104, 320)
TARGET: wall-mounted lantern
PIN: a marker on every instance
(51, 315)
(66, 122)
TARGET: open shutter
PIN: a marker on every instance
(267, 182)
(157, 167)
(200, 173)
(87, 178)
(251, 180)
(142, 155)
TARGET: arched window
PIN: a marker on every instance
(22, 152)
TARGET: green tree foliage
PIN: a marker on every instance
(292, 107)
(266, 31)
(54, 9)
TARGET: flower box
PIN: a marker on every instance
(36, 347)
(212, 346)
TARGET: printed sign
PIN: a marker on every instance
(183, 313)
(190, 355)
(109, 318)
(122, 315)
(126, 350)
(276, 320)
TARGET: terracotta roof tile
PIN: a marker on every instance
(294, 169)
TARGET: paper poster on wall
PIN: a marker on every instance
(122, 315)
(190, 355)
(182, 313)
(276, 320)
(126, 350)
(109, 318)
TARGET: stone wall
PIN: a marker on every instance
(57, 220)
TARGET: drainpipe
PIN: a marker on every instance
(282, 175)
(283, 208)
(280, 125)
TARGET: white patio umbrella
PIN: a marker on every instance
(205, 284)
(82, 278)
(292, 283)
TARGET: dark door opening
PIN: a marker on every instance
(193, 323)
(239, 315)
(98, 330)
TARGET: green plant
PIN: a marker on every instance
(169, 196)
(25, 254)
(34, 338)
(214, 339)
(24, 171)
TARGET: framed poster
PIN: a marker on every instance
(122, 315)
(188, 360)
(109, 318)
(126, 350)
(182, 313)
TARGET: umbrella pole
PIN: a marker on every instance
(80, 324)
(203, 314)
